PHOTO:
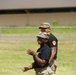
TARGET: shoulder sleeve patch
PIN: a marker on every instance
(54, 43)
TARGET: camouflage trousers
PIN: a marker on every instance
(48, 70)
(53, 66)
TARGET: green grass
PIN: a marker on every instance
(29, 30)
(66, 58)
(59, 31)
(13, 57)
(19, 30)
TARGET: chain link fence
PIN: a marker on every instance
(29, 33)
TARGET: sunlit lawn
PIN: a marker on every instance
(13, 57)
(59, 31)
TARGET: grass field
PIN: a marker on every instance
(13, 56)
(23, 32)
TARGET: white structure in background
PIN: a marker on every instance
(33, 12)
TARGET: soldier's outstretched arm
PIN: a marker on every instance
(27, 68)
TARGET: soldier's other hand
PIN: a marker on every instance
(25, 69)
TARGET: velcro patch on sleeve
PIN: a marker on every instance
(54, 43)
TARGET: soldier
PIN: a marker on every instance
(41, 57)
(53, 44)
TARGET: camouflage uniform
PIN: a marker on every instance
(52, 42)
(43, 53)
(49, 70)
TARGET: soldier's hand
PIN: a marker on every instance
(25, 69)
(30, 52)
